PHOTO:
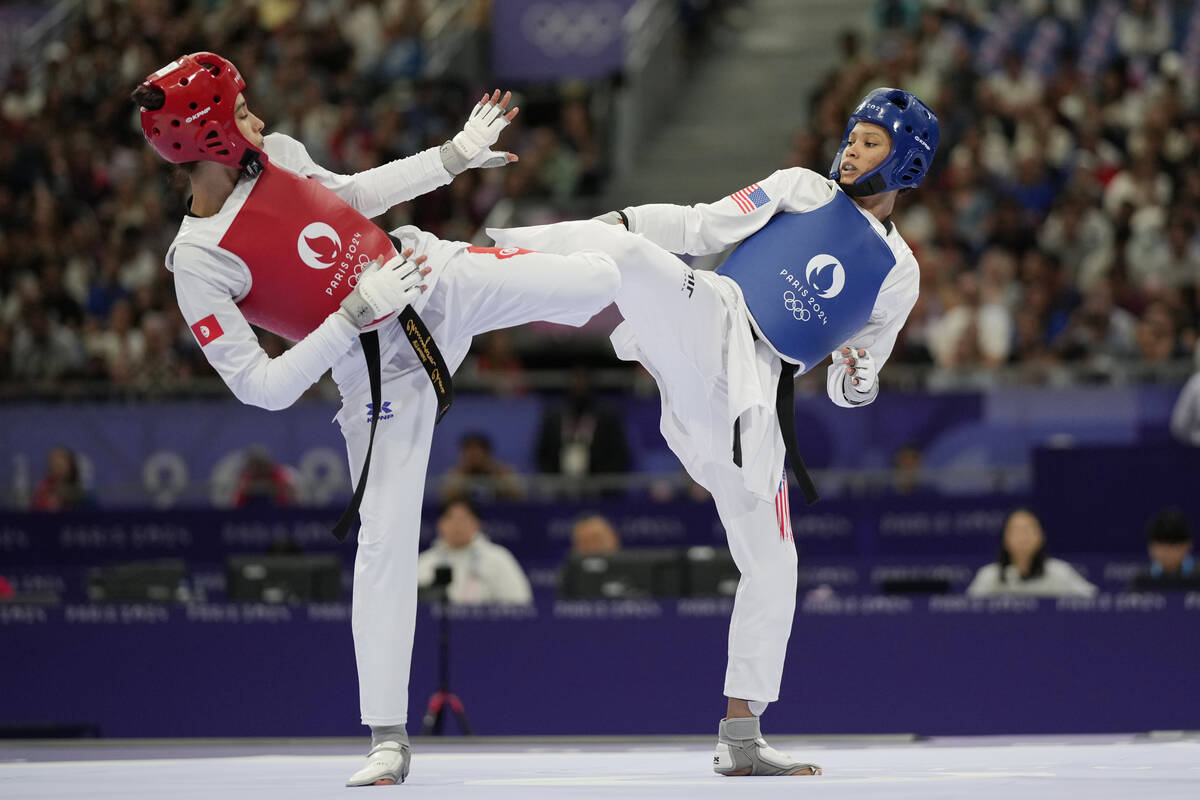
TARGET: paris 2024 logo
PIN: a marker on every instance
(824, 277)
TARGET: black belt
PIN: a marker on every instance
(785, 409)
(439, 376)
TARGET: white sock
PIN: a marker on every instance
(757, 707)
(388, 733)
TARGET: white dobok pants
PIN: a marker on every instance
(475, 292)
(681, 323)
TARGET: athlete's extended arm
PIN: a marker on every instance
(711, 227)
(375, 190)
(230, 346)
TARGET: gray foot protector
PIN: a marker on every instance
(388, 762)
(741, 750)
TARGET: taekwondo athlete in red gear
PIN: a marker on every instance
(820, 268)
(276, 240)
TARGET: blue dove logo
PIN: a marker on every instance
(826, 275)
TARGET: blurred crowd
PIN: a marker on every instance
(1058, 227)
(1060, 222)
(87, 210)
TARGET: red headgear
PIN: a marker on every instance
(196, 123)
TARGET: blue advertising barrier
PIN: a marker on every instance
(943, 665)
(538, 533)
(180, 453)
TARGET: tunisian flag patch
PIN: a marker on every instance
(207, 329)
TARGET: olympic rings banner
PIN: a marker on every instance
(555, 39)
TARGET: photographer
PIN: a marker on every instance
(482, 571)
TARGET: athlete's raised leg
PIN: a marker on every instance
(488, 288)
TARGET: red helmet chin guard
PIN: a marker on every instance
(196, 123)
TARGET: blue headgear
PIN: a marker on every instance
(914, 131)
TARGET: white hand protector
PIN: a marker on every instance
(860, 369)
(471, 147)
(382, 291)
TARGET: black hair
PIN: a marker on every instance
(459, 500)
(1037, 567)
(72, 463)
(1169, 526)
(476, 437)
(149, 97)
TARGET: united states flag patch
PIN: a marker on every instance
(750, 198)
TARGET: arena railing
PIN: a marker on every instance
(896, 377)
(653, 71)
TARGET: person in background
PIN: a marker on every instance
(1023, 566)
(908, 475)
(263, 482)
(594, 535)
(1172, 565)
(1185, 418)
(7, 592)
(580, 438)
(677, 485)
(62, 488)
(479, 475)
(481, 571)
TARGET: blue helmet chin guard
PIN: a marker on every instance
(914, 131)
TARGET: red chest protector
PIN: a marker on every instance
(304, 247)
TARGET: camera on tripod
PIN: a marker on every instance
(443, 699)
(438, 592)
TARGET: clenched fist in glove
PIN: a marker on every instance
(860, 370)
(471, 147)
(382, 291)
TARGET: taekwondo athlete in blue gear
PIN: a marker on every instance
(819, 267)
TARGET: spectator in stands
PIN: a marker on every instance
(479, 476)
(1172, 565)
(1156, 335)
(594, 535)
(7, 592)
(263, 482)
(497, 365)
(908, 476)
(44, 349)
(1023, 566)
(62, 487)
(481, 571)
(580, 438)
(1185, 419)
(677, 485)
(1144, 28)
(1099, 328)
(976, 329)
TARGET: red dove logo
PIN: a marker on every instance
(318, 245)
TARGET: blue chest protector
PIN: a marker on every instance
(811, 279)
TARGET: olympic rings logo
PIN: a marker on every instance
(796, 306)
(363, 262)
(573, 28)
